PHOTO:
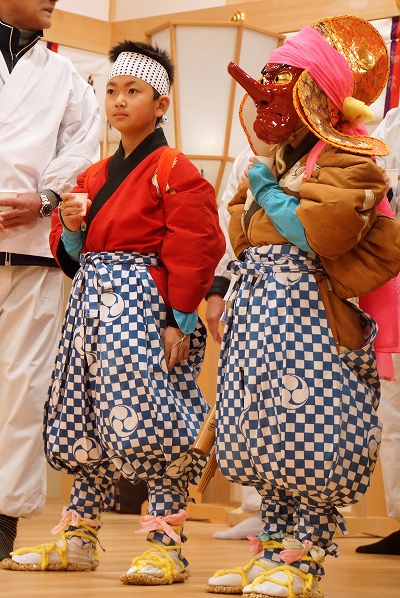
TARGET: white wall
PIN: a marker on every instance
(138, 9)
(97, 9)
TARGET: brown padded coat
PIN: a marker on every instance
(359, 248)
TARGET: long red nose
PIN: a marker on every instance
(256, 90)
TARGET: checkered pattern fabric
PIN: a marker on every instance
(292, 413)
(112, 407)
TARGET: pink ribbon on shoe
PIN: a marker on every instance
(71, 517)
(152, 523)
(291, 555)
(255, 546)
(295, 554)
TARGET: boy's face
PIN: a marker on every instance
(131, 107)
(27, 14)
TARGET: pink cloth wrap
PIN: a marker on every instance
(255, 546)
(310, 51)
(153, 523)
(72, 517)
(383, 305)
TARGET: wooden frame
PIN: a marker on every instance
(281, 17)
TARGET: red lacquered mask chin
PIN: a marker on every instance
(276, 118)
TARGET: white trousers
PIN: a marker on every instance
(389, 413)
(251, 500)
(31, 300)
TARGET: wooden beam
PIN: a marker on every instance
(272, 15)
(112, 10)
(95, 35)
(76, 31)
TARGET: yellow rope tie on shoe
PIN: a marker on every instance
(264, 541)
(91, 535)
(45, 549)
(271, 545)
(308, 579)
(294, 550)
(242, 571)
(162, 561)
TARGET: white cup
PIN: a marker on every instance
(83, 197)
(267, 161)
(6, 195)
(393, 174)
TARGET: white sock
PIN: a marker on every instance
(251, 525)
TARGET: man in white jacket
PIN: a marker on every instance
(49, 132)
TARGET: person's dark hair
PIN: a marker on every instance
(153, 52)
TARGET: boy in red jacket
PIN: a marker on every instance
(123, 398)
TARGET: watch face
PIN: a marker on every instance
(46, 209)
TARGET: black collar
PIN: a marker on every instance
(119, 168)
(9, 43)
(152, 142)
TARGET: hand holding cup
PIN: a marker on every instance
(73, 208)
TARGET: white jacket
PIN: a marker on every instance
(49, 133)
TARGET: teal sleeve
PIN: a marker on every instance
(186, 322)
(73, 243)
(280, 207)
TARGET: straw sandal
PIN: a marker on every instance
(284, 581)
(232, 581)
(156, 567)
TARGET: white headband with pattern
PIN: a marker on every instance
(143, 67)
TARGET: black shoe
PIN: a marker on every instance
(388, 545)
(8, 532)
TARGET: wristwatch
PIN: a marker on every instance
(46, 209)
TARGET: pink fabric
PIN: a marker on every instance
(152, 523)
(310, 51)
(383, 305)
(292, 554)
(72, 517)
(255, 546)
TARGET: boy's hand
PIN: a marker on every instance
(214, 311)
(72, 211)
(252, 161)
(176, 346)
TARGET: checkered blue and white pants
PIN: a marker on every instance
(112, 407)
(295, 419)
